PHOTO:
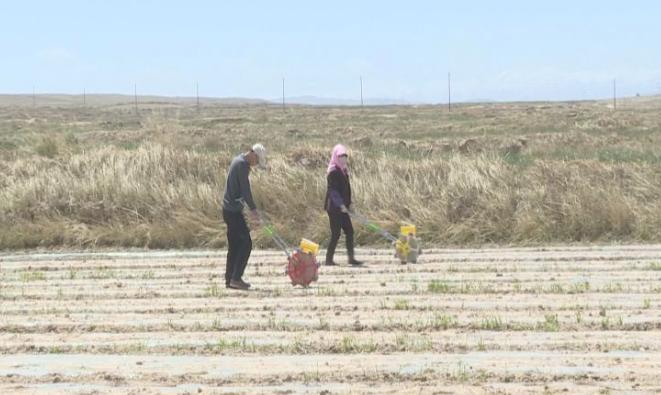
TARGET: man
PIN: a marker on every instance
(238, 193)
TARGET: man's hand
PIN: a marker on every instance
(255, 219)
(344, 209)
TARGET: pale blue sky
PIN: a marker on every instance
(502, 50)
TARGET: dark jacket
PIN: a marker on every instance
(237, 188)
(338, 191)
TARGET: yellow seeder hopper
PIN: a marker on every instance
(407, 245)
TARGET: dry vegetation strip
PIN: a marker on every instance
(498, 173)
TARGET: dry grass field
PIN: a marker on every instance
(516, 173)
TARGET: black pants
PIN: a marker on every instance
(239, 245)
(340, 221)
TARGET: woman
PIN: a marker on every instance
(338, 203)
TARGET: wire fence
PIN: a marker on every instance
(458, 90)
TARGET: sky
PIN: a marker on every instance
(403, 50)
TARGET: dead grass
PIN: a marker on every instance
(536, 173)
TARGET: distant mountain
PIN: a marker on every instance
(478, 100)
(329, 101)
(110, 99)
(67, 100)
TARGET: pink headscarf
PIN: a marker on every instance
(334, 163)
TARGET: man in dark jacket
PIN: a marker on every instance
(237, 194)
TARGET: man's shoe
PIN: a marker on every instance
(239, 284)
(355, 262)
(330, 263)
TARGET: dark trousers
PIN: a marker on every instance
(239, 245)
(339, 221)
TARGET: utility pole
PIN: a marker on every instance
(361, 91)
(135, 96)
(449, 94)
(84, 98)
(614, 94)
(283, 94)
